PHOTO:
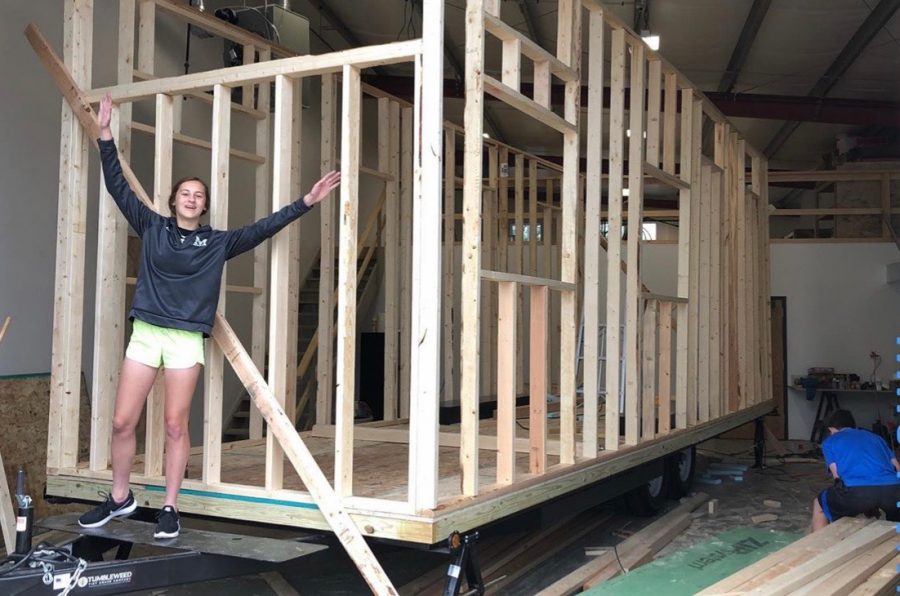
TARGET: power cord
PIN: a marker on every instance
(618, 560)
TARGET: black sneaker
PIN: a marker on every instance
(167, 525)
(107, 510)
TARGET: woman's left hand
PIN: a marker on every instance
(320, 189)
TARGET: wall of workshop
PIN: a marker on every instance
(839, 309)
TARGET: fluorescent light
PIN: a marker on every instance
(652, 41)
(485, 135)
(626, 192)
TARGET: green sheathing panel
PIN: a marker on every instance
(700, 566)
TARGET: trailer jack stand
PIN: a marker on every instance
(759, 444)
(464, 557)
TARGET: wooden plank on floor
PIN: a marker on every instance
(881, 583)
(574, 581)
(776, 563)
(852, 546)
(522, 558)
(842, 580)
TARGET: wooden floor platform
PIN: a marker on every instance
(379, 504)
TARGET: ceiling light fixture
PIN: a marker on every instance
(652, 41)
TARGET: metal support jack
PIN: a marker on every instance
(464, 557)
(759, 444)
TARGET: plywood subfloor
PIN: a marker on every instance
(380, 469)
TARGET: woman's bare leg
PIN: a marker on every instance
(135, 382)
(180, 386)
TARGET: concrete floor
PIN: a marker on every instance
(331, 572)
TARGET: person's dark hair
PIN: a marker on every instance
(178, 185)
(841, 419)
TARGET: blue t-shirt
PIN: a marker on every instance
(862, 458)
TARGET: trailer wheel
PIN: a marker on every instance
(648, 499)
(681, 466)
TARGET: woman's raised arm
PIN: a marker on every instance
(104, 115)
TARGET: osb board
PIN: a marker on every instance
(24, 410)
(380, 470)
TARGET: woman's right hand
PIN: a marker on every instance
(104, 115)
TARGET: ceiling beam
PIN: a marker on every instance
(530, 25)
(745, 41)
(641, 20)
(325, 10)
(857, 112)
(340, 27)
(866, 32)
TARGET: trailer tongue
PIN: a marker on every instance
(196, 555)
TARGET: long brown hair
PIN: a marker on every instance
(178, 185)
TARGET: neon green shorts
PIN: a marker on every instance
(161, 346)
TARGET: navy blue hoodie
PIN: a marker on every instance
(178, 280)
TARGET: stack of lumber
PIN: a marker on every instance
(508, 557)
(633, 552)
(851, 556)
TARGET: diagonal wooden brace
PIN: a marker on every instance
(279, 423)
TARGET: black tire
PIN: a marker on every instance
(680, 467)
(648, 499)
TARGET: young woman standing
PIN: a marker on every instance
(173, 310)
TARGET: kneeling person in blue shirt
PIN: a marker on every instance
(864, 470)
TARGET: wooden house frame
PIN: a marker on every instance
(697, 363)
